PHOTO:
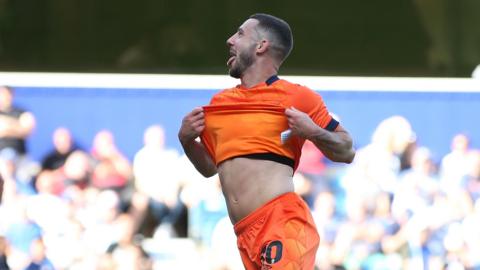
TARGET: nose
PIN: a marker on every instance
(230, 41)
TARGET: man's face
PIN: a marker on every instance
(242, 47)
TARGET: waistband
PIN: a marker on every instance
(245, 222)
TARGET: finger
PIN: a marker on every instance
(289, 112)
(198, 122)
(197, 110)
(199, 128)
(198, 116)
(194, 112)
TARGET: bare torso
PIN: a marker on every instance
(249, 183)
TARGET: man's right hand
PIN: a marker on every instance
(192, 125)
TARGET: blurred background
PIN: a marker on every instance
(92, 94)
(373, 37)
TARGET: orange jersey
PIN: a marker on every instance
(242, 121)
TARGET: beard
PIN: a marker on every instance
(243, 61)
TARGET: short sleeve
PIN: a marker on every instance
(312, 103)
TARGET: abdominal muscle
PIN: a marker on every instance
(249, 183)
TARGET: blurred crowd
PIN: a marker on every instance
(395, 207)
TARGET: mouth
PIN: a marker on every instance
(232, 58)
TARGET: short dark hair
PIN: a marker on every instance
(280, 32)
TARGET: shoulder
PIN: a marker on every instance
(297, 88)
(301, 95)
(226, 91)
(223, 95)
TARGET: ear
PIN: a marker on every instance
(262, 46)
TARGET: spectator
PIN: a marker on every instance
(126, 251)
(47, 208)
(206, 206)
(428, 209)
(112, 170)
(78, 226)
(15, 181)
(156, 170)
(3, 255)
(16, 124)
(223, 247)
(380, 225)
(8, 185)
(471, 238)
(454, 165)
(406, 155)
(327, 221)
(20, 233)
(63, 146)
(311, 175)
(99, 218)
(77, 170)
(350, 247)
(312, 161)
(418, 185)
(303, 185)
(471, 181)
(377, 165)
(39, 258)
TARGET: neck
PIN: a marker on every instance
(258, 73)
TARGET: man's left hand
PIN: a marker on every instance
(300, 123)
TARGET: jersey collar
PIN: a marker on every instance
(268, 82)
(272, 79)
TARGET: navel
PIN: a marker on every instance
(233, 199)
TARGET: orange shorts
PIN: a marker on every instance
(279, 235)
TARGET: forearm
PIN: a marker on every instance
(197, 154)
(9, 127)
(336, 146)
(17, 128)
(16, 132)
